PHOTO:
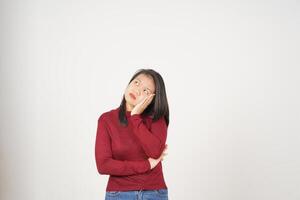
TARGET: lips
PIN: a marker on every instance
(132, 96)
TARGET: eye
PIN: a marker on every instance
(136, 82)
(147, 92)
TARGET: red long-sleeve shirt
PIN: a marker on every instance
(123, 152)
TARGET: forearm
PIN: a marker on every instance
(152, 142)
(122, 168)
(105, 162)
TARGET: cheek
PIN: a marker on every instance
(127, 90)
(127, 97)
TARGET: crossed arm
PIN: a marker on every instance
(151, 141)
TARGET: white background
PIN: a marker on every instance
(231, 70)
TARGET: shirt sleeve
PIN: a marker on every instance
(103, 154)
(153, 140)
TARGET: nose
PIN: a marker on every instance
(137, 92)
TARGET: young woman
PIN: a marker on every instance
(131, 140)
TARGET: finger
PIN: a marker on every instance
(143, 101)
(152, 97)
(146, 102)
(148, 97)
(141, 105)
(162, 156)
(149, 100)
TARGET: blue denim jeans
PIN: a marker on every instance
(161, 194)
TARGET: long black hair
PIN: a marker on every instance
(159, 106)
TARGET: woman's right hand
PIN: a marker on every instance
(154, 162)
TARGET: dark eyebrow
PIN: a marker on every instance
(147, 88)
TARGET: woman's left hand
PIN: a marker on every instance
(140, 107)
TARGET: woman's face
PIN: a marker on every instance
(138, 89)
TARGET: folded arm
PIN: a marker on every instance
(153, 140)
(104, 161)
